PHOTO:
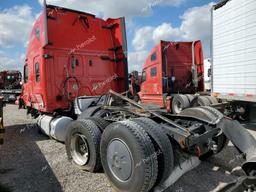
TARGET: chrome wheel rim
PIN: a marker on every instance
(178, 107)
(79, 149)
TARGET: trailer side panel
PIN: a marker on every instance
(233, 50)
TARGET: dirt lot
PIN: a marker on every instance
(30, 161)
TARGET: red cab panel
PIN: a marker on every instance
(168, 70)
(71, 54)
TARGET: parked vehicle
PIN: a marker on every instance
(70, 54)
(233, 57)
(172, 74)
(207, 75)
(138, 145)
(2, 130)
(10, 84)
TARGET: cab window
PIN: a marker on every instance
(37, 72)
(153, 57)
(25, 73)
(37, 33)
(153, 72)
(143, 76)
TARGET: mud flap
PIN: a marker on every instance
(233, 130)
(244, 141)
(240, 184)
(183, 164)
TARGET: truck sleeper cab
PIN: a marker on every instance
(172, 68)
(72, 54)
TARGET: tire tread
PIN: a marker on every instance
(164, 144)
(145, 147)
(95, 135)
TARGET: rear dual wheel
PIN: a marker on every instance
(83, 145)
(128, 157)
(205, 101)
(212, 100)
(136, 155)
(163, 147)
(190, 97)
(179, 103)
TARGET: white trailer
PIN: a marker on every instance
(233, 54)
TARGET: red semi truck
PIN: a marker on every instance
(76, 82)
(69, 53)
(173, 72)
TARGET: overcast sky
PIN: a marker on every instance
(147, 22)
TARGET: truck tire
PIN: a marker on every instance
(101, 123)
(179, 103)
(214, 111)
(212, 100)
(83, 145)
(203, 101)
(163, 147)
(101, 113)
(128, 157)
(190, 97)
(89, 112)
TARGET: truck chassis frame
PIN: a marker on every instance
(199, 131)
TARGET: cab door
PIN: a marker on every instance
(37, 74)
(37, 99)
(151, 87)
(74, 77)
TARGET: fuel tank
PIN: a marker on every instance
(54, 127)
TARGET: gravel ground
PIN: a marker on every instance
(31, 162)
